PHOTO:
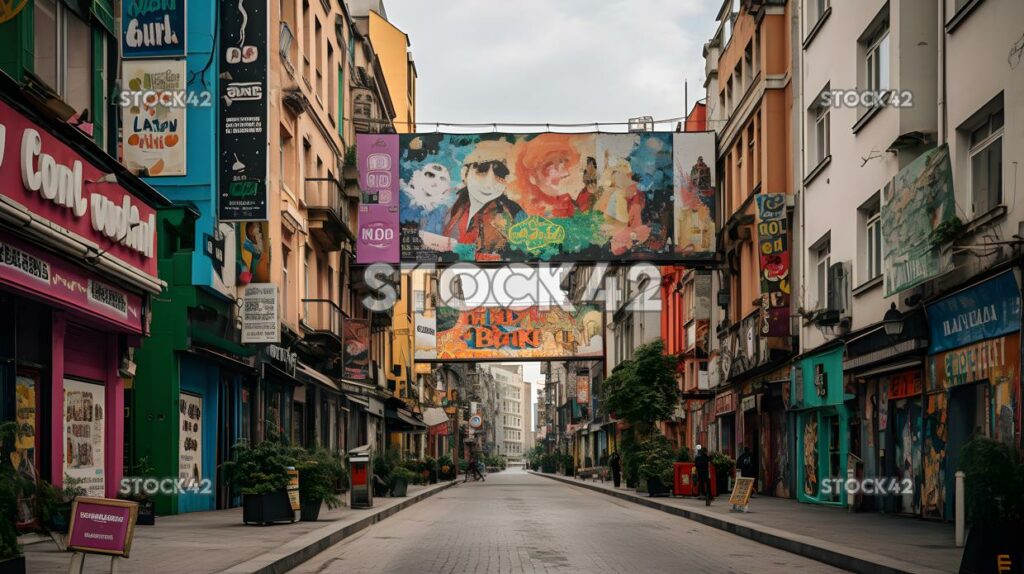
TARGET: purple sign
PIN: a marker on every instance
(102, 525)
(377, 160)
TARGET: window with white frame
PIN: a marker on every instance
(62, 52)
(876, 55)
(870, 243)
(986, 160)
(822, 257)
(816, 11)
(821, 130)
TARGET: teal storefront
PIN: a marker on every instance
(822, 435)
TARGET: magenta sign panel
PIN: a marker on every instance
(37, 273)
(54, 182)
(102, 526)
(377, 160)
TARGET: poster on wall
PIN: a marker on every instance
(24, 457)
(190, 440)
(221, 249)
(583, 389)
(356, 347)
(918, 201)
(153, 127)
(84, 413)
(153, 29)
(550, 197)
(505, 334)
(260, 319)
(377, 159)
(243, 111)
(253, 252)
(773, 255)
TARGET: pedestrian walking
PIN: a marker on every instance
(615, 463)
(702, 463)
(747, 465)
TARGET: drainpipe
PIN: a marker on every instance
(943, 108)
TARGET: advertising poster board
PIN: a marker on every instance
(260, 320)
(153, 29)
(190, 439)
(102, 526)
(84, 421)
(153, 129)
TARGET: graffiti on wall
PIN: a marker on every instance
(549, 196)
(934, 497)
(810, 462)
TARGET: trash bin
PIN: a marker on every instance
(360, 466)
(685, 477)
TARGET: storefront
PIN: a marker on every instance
(725, 414)
(972, 386)
(821, 429)
(77, 267)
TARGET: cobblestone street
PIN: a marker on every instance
(516, 522)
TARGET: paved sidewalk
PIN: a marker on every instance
(217, 541)
(860, 542)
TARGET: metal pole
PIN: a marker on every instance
(960, 518)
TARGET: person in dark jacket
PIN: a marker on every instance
(747, 466)
(702, 462)
(615, 463)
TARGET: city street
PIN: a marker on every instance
(517, 522)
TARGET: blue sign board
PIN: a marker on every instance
(153, 28)
(986, 310)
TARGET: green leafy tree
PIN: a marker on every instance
(642, 390)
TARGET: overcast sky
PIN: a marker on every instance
(557, 61)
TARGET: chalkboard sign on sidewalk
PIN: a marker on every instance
(741, 491)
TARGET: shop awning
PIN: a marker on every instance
(401, 420)
(434, 416)
(316, 376)
(363, 402)
(891, 368)
(885, 355)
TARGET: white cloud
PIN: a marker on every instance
(558, 61)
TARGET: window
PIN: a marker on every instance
(823, 259)
(876, 62)
(821, 133)
(307, 282)
(286, 255)
(63, 49)
(870, 240)
(816, 11)
(986, 158)
(318, 38)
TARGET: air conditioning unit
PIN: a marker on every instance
(839, 307)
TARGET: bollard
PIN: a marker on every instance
(960, 518)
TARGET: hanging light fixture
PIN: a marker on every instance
(893, 322)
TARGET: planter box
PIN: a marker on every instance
(310, 511)
(147, 514)
(433, 477)
(14, 565)
(399, 487)
(656, 488)
(60, 520)
(547, 468)
(267, 508)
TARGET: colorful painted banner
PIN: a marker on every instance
(993, 360)
(546, 197)
(919, 200)
(190, 440)
(243, 111)
(153, 29)
(986, 310)
(773, 253)
(503, 334)
(254, 252)
(102, 525)
(583, 389)
(379, 234)
(25, 457)
(36, 272)
(356, 349)
(153, 133)
(904, 385)
(84, 429)
(56, 183)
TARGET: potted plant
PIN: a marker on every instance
(12, 561)
(382, 469)
(430, 464)
(567, 465)
(55, 503)
(723, 464)
(319, 470)
(400, 478)
(655, 470)
(994, 484)
(446, 469)
(549, 463)
(261, 473)
(141, 470)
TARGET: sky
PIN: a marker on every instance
(554, 61)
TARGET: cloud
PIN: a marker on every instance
(558, 61)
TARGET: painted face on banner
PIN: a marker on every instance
(429, 186)
(485, 170)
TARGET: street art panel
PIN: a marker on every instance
(919, 201)
(555, 197)
(356, 349)
(253, 252)
(153, 132)
(933, 500)
(503, 334)
(773, 254)
(810, 452)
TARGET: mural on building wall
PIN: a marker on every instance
(908, 450)
(153, 133)
(773, 254)
(810, 462)
(253, 252)
(498, 333)
(779, 485)
(918, 201)
(543, 197)
(934, 497)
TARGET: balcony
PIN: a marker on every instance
(328, 212)
(321, 323)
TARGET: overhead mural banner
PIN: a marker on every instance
(356, 347)
(919, 200)
(153, 29)
(505, 334)
(773, 254)
(153, 134)
(243, 111)
(543, 197)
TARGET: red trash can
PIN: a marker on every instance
(685, 478)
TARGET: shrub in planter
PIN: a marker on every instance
(400, 478)
(724, 464)
(319, 471)
(445, 468)
(55, 503)
(260, 472)
(549, 463)
(994, 484)
(655, 470)
(139, 472)
(430, 468)
(11, 558)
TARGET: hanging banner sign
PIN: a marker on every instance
(153, 132)
(356, 349)
(377, 158)
(983, 311)
(773, 252)
(583, 389)
(243, 111)
(153, 29)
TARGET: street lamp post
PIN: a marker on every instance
(892, 322)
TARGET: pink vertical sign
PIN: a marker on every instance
(377, 160)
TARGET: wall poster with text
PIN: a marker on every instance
(153, 130)
(84, 420)
(243, 111)
(190, 439)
